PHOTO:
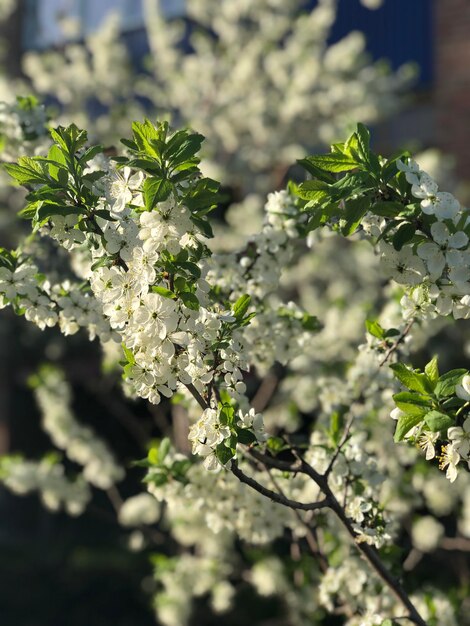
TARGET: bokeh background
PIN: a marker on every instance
(102, 63)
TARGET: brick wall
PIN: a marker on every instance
(452, 87)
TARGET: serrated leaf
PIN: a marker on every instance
(405, 424)
(90, 153)
(432, 370)
(412, 380)
(437, 421)
(315, 191)
(353, 214)
(447, 382)
(412, 403)
(48, 210)
(363, 139)
(156, 190)
(182, 147)
(334, 163)
(316, 172)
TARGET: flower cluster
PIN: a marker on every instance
(48, 478)
(80, 443)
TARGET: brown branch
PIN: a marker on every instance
(197, 396)
(397, 342)
(276, 497)
(367, 551)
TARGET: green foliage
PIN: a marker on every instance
(431, 402)
(352, 182)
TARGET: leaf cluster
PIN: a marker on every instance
(430, 402)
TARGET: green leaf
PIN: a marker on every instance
(437, 421)
(403, 235)
(7, 259)
(153, 456)
(203, 225)
(163, 291)
(386, 208)
(156, 190)
(412, 380)
(405, 424)
(190, 267)
(90, 153)
(70, 138)
(104, 261)
(310, 322)
(164, 448)
(333, 162)
(315, 171)
(276, 445)
(315, 191)
(57, 163)
(182, 146)
(128, 354)
(246, 437)
(375, 329)
(190, 300)
(353, 214)
(412, 403)
(224, 454)
(30, 210)
(241, 307)
(432, 370)
(363, 139)
(447, 382)
(147, 136)
(48, 210)
(27, 171)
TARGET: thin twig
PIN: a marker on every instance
(397, 342)
(340, 445)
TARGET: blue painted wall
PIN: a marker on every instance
(400, 31)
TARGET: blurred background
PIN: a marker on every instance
(103, 63)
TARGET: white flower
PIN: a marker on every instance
(417, 304)
(460, 437)
(463, 389)
(437, 254)
(426, 442)
(450, 459)
(207, 432)
(64, 231)
(140, 509)
(426, 533)
(254, 421)
(411, 170)
(403, 266)
(443, 205)
(119, 186)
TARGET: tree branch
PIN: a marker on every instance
(276, 497)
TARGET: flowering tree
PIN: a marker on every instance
(268, 82)
(193, 326)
